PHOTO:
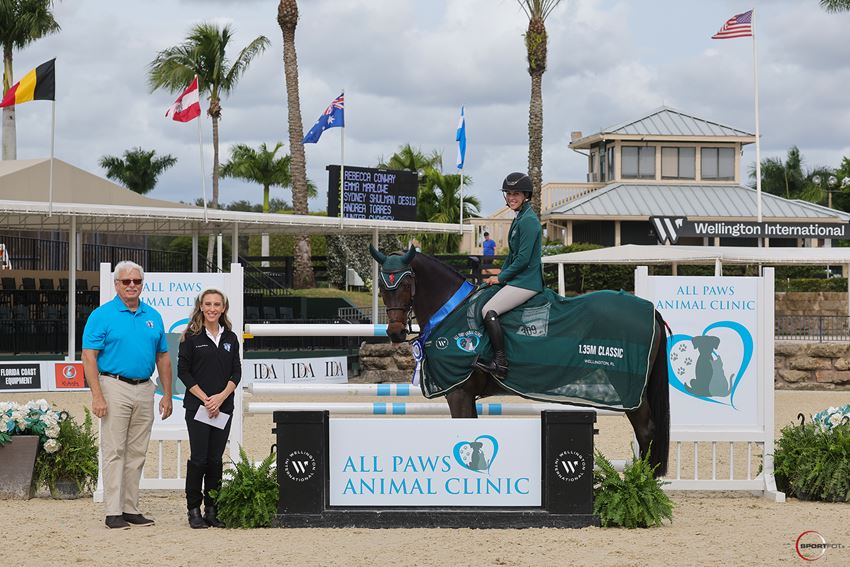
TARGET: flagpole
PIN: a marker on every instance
(758, 134)
(52, 143)
(460, 172)
(201, 149)
(342, 170)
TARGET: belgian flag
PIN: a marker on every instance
(38, 84)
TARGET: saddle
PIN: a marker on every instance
(589, 350)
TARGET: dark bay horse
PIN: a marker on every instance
(416, 284)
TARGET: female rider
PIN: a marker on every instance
(522, 272)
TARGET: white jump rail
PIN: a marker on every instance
(412, 408)
(316, 330)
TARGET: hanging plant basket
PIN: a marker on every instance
(17, 463)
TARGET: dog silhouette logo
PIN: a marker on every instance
(709, 377)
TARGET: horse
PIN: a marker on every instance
(417, 285)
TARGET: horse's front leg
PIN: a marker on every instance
(461, 403)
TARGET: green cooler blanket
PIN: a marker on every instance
(591, 350)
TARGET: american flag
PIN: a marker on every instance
(740, 25)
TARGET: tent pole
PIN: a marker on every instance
(194, 251)
(72, 289)
(235, 244)
(375, 280)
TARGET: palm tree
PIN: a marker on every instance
(536, 51)
(260, 166)
(138, 170)
(21, 23)
(440, 202)
(409, 158)
(204, 53)
(784, 178)
(287, 19)
(835, 5)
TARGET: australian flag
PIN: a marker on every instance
(332, 117)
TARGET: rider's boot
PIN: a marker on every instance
(498, 367)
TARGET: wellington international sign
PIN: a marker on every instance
(673, 228)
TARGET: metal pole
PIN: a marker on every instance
(375, 280)
(72, 288)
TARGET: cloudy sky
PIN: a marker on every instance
(408, 65)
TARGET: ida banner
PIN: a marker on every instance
(316, 370)
(722, 329)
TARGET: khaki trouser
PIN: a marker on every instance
(124, 435)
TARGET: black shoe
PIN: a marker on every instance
(137, 520)
(210, 515)
(117, 523)
(196, 522)
(498, 367)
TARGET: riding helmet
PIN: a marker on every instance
(517, 181)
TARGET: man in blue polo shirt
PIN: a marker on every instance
(123, 340)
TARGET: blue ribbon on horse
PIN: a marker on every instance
(419, 344)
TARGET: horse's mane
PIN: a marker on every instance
(433, 263)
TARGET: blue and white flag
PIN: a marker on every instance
(332, 117)
(461, 140)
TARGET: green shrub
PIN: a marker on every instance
(248, 495)
(633, 500)
(812, 463)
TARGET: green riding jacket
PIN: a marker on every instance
(522, 267)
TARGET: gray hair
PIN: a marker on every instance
(127, 266)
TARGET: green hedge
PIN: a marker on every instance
(579, 278)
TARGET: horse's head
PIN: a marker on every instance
(397, 284)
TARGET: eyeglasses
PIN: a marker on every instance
(128, 282)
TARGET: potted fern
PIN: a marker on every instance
(72, 469)
(633, 500)
(248, 495)
(812, 460)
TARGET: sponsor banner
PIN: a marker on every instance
(69, 375)
(319, 370)
(22, 376)
(714, 352)
(459, 462)
(670, 229)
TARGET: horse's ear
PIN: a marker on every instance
(408, 256)
(377, 255)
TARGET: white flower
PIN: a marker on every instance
(52, 431)
(51, 445)
(835, 418)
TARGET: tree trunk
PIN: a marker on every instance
(287, 17)
(10, 145)
(214, 112)
(535, 139)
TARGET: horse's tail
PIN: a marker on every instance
(658, 395)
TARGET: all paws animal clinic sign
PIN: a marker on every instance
(722, 338)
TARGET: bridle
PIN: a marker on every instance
(391, 282)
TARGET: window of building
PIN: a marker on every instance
(638, 162)
(609, 171)
(717, 163)
(678, 163)
(592, 161)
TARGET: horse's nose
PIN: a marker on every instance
(396, 332)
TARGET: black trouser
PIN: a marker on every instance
(203, 471)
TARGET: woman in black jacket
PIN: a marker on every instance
(208, 364)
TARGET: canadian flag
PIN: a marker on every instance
(187, 106)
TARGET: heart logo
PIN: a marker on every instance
(477, 455)
(704, 366)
